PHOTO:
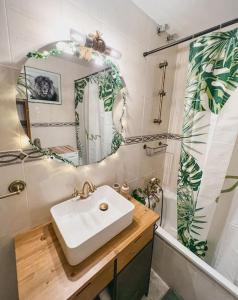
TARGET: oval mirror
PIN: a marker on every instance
(70, 101)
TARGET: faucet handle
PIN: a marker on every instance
(94, 187)
(75, 193)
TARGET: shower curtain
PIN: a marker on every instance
(209, 133)
(96, 126)
(96, 135)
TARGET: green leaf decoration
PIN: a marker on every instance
(213, 69)
(79, 88)
(190, 173)
(212, 78)
(48, 153)
(117, 140)
(92, 137)
(109, 83)
(188, 220)
(44, 54)
(139, 195)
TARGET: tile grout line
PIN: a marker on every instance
(8, 33)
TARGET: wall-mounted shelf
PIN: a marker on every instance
(150, 151)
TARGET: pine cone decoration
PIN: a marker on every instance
(98, 43)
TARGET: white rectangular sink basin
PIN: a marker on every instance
(82, 227)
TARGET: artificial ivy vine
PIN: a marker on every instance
(44, 54)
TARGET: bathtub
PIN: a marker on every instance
(183, 271)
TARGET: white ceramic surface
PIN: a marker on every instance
(82, 227)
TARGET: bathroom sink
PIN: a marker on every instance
(84, 225)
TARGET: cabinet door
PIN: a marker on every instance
(134, 248)
(132, 282)
(96, 285)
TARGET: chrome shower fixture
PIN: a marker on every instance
(172, 37)
(162, 28)
(162, 65)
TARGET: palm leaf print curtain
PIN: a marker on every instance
(95, 95)
(209, 134)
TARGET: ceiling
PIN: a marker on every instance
(186, 17)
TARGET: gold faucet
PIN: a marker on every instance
(88, 187)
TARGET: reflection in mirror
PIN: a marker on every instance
(71, 102)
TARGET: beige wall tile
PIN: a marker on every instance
(48, 183)
(5, 57)
(14, 213)
(9, 124)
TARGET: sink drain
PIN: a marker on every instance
(103, 206)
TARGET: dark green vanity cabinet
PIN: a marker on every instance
(132, 283)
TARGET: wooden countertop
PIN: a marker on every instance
(43, 272)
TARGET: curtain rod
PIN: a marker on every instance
(93, 74)
(190, 37)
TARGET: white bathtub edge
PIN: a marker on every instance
(211, 272)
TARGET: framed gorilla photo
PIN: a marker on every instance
(42, 86)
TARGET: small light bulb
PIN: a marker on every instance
(115, 155)
(102, 163)
(114, 53)
(99, 61)
(68, 48)
(78, 38)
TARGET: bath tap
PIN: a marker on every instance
(152, 187)
(151, 190)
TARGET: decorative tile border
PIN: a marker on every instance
(161, 136)
(152, 137)
(133, 140)
(54, 124)
(18, 156)
(32, 155)
(11, 157)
